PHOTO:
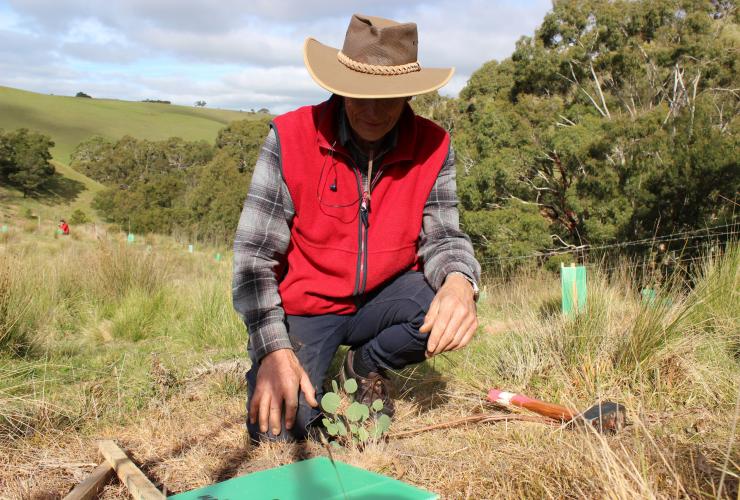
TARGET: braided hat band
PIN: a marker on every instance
(377, 69)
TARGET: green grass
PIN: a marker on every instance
(82, 314)
(70, 120)
(108, 339)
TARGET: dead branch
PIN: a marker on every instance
(475, 419)
(593, 101)
(598, 87)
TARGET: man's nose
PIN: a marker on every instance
(371, 106)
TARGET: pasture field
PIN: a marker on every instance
(70, 120)
(100, 339)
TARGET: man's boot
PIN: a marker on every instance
(375, 386)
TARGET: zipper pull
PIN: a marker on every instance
(365, 209)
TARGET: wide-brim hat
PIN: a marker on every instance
(378, 60)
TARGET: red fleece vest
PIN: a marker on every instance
(334, 259)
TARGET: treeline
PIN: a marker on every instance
(617, 120)
(174, 186)
(24, 159)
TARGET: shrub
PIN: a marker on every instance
(79, 217)
(349, 421)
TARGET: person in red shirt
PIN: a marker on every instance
(64, 227)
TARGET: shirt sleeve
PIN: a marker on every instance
(261, 241)
(443, 247)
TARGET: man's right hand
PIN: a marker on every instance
(279, 377)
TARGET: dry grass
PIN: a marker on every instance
(674, 365)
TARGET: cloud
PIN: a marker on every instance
(231, 53)
(245, 46)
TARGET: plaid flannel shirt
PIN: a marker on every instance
(263, 235)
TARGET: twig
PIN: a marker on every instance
(475, 419)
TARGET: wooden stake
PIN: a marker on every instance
(574, 296)
(137, 483)
(93, 484)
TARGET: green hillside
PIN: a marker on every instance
(69, 120)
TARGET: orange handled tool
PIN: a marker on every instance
(550, 410)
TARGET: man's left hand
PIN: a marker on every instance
(452, 318)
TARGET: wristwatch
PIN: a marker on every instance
(476, 290)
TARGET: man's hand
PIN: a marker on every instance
(279, 377)
(452, 317)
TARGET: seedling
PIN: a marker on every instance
(349, 421)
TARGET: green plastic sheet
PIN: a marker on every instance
(313, 479)
(573, 280)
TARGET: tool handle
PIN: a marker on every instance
(550, 410)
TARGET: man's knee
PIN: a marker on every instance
(417, 296)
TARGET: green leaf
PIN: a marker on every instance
(357, 412)
(341, 429)
(335, 444)
(334, 386)
(377, 405)
(353, 428)
(362, 434)
(381, 426)
(330, 402)
(365, 412)
(350, 386)
(332, 429)
(326, 422)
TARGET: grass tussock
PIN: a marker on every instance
(80, 319)
(141, 344)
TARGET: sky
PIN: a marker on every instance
(232, 54)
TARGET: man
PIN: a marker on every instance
(63, 227)
(349, 234)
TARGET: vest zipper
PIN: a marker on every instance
(363, 225)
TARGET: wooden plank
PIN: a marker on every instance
(137, 483)
(93, 484)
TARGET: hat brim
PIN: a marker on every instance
(324, 67)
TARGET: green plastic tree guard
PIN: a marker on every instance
(573, 280)
(4, 229)
(190, 248)
(313, 479)
(218, 257)
(648, 295)
(130, 238)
